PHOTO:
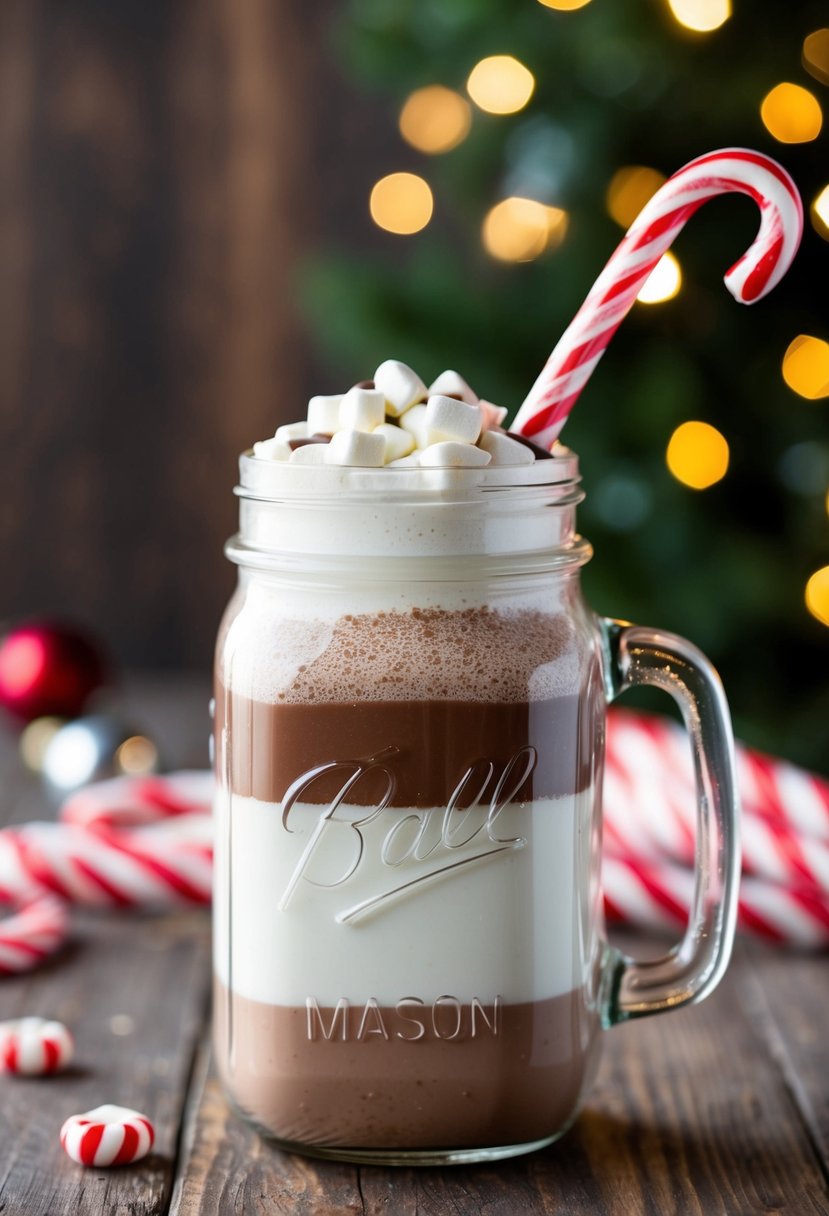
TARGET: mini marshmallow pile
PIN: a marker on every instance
(395, 420)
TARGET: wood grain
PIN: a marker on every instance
(153, 209)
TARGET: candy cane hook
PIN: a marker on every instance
(762, 266)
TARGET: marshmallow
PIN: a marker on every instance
(414, 421)
(292, 430)
(271, 449)
(453, 455)
(360, 449)
(310, 453)
(362, 409)
(450, 384)
(324, 415)
(107, 1135)
(399, 443)
(493, 415)
(406, 462)
(448, 420)
(400, 386)
(504, 450)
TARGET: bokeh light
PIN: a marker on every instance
(817, 595)
(136, 756)
(519, 229)
(630, 188)
(806, 367)
(500, 84)
(697, 455)
(663, 282)
(564, 6)
(435, 119)
(701, 15)
(401, 203)
(791, 114)
(816, 55)
(820, 213)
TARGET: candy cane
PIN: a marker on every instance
(37, 929)
(650, 804)
(163, 866)
(658, 894)
(731, 170)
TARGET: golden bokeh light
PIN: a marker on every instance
(817, 595)
(630, 188)
(435, 119)
(500, 85)
(697, 455)
(820, 213)
(791, 114)
(401, 203)
(806, 367)
(519, 229)
(564, 6)
(703, 16)
(136, 756)
(816, 55)
(663, 282)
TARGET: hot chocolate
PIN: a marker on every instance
(406, 747)
(387, 853)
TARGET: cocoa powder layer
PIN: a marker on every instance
(423, 654)
(514, 1087)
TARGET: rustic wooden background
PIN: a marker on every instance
(164, 167)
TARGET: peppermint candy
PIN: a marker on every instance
(33, 1047)
(107, 1135)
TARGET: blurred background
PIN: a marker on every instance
(211, 208)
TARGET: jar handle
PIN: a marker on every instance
(692, 969)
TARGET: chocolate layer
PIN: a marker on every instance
(373, 1084)
(423, 749)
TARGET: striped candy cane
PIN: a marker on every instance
(731, 170)
(650, 805)
(658, 894)
(37, 929)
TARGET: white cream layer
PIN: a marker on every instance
(362, 903)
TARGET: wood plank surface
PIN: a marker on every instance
(723, 1108)
(134, 991)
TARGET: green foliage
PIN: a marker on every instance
(620, 84)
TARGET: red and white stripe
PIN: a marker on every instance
(130, 802)
(650, 805)
(657, 894)
(158, 866)
(108, 1135)
(730, 170)
(32, 933)
(33, 1047)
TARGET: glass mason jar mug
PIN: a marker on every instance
(410, 961)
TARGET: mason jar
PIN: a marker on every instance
(410, 956)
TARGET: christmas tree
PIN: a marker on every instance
(530, 135)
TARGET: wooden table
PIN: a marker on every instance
(720, 1108)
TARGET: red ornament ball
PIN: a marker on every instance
(47, 667)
